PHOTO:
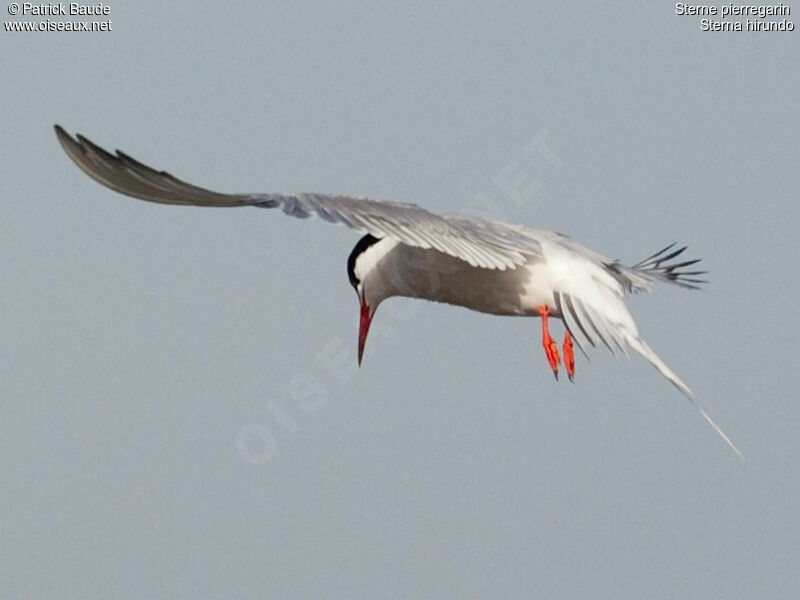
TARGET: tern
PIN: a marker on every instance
(481, 264)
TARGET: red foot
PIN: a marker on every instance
(550, 348)
(569, 357)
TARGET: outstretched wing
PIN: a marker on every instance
(485, 244)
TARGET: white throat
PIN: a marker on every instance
(374, 283)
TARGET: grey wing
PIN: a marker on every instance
(479, 242)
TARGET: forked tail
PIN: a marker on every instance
(642, 348)
(658, 267)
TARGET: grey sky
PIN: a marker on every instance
(181, 413)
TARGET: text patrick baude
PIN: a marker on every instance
(59, 8)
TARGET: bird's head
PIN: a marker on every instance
(364, 277)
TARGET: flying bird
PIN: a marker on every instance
(481, 264)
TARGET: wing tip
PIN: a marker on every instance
(66, 140)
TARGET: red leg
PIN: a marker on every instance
(550, 348)
(569, 357)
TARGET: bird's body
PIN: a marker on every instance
(587, 294)
(484, 265)
(397, 269)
